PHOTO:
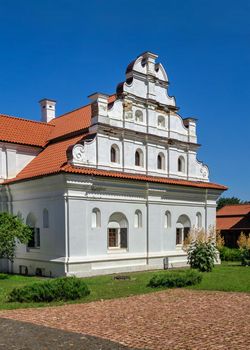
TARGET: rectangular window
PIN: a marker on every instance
(34, 241)
(186, 232)
(178, 236)
(113, 237)
(124, 240)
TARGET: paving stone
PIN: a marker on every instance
(173, 319)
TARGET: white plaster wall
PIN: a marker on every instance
(33, 197)
(104, 144)
(97, 154)
(70, 202)
(88, 241)
(14, 157)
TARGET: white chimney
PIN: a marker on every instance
(48, 109)
(99, 104)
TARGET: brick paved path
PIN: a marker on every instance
(173, 319)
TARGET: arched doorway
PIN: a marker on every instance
(117, 231)
(183, 226)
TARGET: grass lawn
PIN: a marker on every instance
(226, 277)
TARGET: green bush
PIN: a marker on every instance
(175, 279)
(202, 254)
(63, 288)
(4, 276)
(245, 256)
(230, 254)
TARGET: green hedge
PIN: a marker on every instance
(175, 279)
(3, 276)
(63, 288)
(230, 254)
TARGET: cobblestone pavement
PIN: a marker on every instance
(173, 319)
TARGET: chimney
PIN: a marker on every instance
(48, 109)
(99, 104)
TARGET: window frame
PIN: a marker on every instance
(167, 219)
(45, 218)
(114, 154)
(138, 219)
(139, 158)
(161, 159)
(161, 122)
(96, 223)
(35, 241)
(139, 118)
(121, 236)
(181, 164)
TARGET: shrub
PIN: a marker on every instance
(230, 254)
(244, 247)
(175, 279)
(201, 249)
(63, 288)
(220, 242)
(3, 276)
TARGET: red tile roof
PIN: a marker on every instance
(76, 120)
(23, 131)
(233, 217)
(236, 209)
(227, 223)
(49, 161)
(71, 122)
(116, 174)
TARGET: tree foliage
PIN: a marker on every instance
(12, 231)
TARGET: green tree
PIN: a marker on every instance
(12, 231)
(229, 201)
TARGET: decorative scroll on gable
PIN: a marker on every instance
(83, 153)
(148, 80)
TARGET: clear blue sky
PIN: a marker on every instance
(68, 49)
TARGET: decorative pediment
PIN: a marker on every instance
(147, 80)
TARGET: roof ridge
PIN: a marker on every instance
(234, 205)
(24, 119)
(73, 110)
(76, 109)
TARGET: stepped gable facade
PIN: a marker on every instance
(109, 187)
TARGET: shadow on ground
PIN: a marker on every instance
(18, 335)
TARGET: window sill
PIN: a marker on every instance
(179, 246)
(30, 249)
(117, 250)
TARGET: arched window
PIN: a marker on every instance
(96, 218)
(167, 219)
(183, 226)
(161, 161)
(117, 231)
(138, 219)
(139, 158)
(161, 121)
(114, 154)
(198, 220)
(45, 218)
(181, 164)
(139, 116)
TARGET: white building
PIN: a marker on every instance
(112, 186)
